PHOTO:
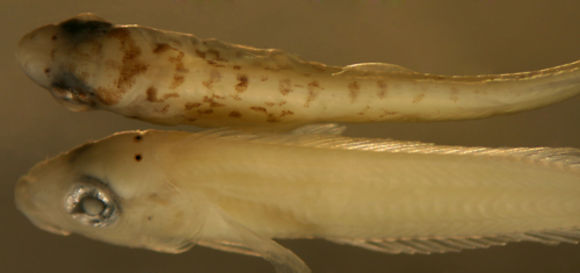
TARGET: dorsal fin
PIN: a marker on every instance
(370, 69)
(322, 138)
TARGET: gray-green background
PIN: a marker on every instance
(445, 36)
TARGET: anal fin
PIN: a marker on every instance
(422, 245)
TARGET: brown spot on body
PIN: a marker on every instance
(235, 114)
(213, 63)
(285, 86)
(178, 61)
(177, 81)
(108, 97)
(138, 138)
(200, 54)
(237, 67)
(152, 95)
(190, 105)
(161, 47)
(212, 102)
(130, 64)
(47, 71)
(214, 76)
(286, 113)
(206, 111)
(272, 118)
(264, 78)
(269, 103)
(242, 84)
(163, 109)
(54, 37)
(382, 89)
(418, 98)
(216, 55)
(138, 157)
(353, 89)
(313, 90)
(259, 109)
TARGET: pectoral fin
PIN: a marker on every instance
(234, 237)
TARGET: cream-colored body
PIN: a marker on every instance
(236, 192)
(174, 78)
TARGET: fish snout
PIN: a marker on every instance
(35, 54)
(24, 199)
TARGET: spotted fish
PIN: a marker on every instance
(169, 190)
(174, 78)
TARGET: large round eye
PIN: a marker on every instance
(91, 205)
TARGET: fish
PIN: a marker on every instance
(173, 78)
(238, 191)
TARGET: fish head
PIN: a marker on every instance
(72, 57)
(113, 190)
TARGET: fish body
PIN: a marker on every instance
(174, 78)
(168, 190)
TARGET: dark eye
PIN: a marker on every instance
(92, 205)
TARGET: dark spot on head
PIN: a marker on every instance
(81, 30)
(138, 157)
(138, 138)
(235, 114)
(46, 70)
(242, 84)
(54, 37)
(149, 218)
(237, 67)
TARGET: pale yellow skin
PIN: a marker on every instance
(236, 191)
(174, 78)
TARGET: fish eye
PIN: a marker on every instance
(91, 205)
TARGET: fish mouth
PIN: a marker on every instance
(72, 92)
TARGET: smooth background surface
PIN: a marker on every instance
(444, 36)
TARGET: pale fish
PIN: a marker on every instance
(169, 190)
(174, 78)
